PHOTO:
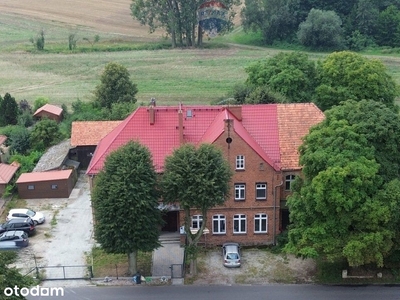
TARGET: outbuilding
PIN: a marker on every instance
(50, 184)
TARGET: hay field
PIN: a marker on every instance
(171, 76)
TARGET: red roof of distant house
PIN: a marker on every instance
(55, 110)
(88, 133)
(7, 172)
(259, 127)
(44, 176)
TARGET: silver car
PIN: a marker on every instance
(231, 255)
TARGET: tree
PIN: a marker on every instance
(345, 207)
(8, 110)
(19, 140)
(177, 17)
(44, 134)
(115, 87)
(196, 178)
(321, 30)
(349, 76)
(276, 19)
(388, 31)
(11, 277)
(291, 74)
(334, 214)
(125, 203)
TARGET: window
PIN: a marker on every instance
(240, 162)
(31, 187)
(54, 186)
(260, 223)
(219, 224)
(289, 181)
(239, 224)
(240, 191)
(197, 220)
(261, 191)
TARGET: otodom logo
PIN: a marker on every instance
(213, 17)
(36, 291)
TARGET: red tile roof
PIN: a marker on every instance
(7, 172)
(294, 122)
(44, 176)
(89, 133)
(55, 110)
(259, 128)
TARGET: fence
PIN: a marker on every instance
(63, 272)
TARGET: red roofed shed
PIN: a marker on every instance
(50, 184)
(49, 111)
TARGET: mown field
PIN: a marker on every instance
(171, 76)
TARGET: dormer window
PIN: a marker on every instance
(240, 162)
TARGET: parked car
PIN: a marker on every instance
(13, 239)
(231, 255)
(37, 217)
(26, 225)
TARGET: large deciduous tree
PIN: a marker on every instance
(346, 205)
(177, 17)
(196, 178)
(125, 203)
(115, 87)
(275, 19)
(321, 30)
(349, 76)
(44, 134)
(291, 74)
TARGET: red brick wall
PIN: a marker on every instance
(256, 171)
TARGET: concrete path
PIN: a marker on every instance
(170, 253)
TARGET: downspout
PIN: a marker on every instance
(274, 224)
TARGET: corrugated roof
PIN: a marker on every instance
(54, 157)
(259, 128)
(89, 133)
(7, 172)
(294, 122)
(44, 176)
(55, 110)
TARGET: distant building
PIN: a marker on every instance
(49, 111)
(7, 172)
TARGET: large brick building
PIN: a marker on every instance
(259, 141)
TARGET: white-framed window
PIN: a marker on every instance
(219, 222)
(261, 191)
(239, 224)
(240, 191)
(240, 162)
(31, 187)
(260, 223)
(289, 179)
(197, 220)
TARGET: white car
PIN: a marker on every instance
(37, 217)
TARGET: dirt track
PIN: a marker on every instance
(113, 16)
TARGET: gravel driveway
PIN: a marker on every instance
(64, 239)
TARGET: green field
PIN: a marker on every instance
(171, 76)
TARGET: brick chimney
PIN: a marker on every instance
(152, 113)
(236, 110)
(180, 124)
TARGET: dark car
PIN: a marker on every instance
(13, 239)
(26, 225)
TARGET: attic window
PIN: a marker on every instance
(189, 113)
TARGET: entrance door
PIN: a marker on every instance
(170, 221)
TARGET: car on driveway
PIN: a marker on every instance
(231, 255)
(13, 239)
(26, 225)
(36, 216)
